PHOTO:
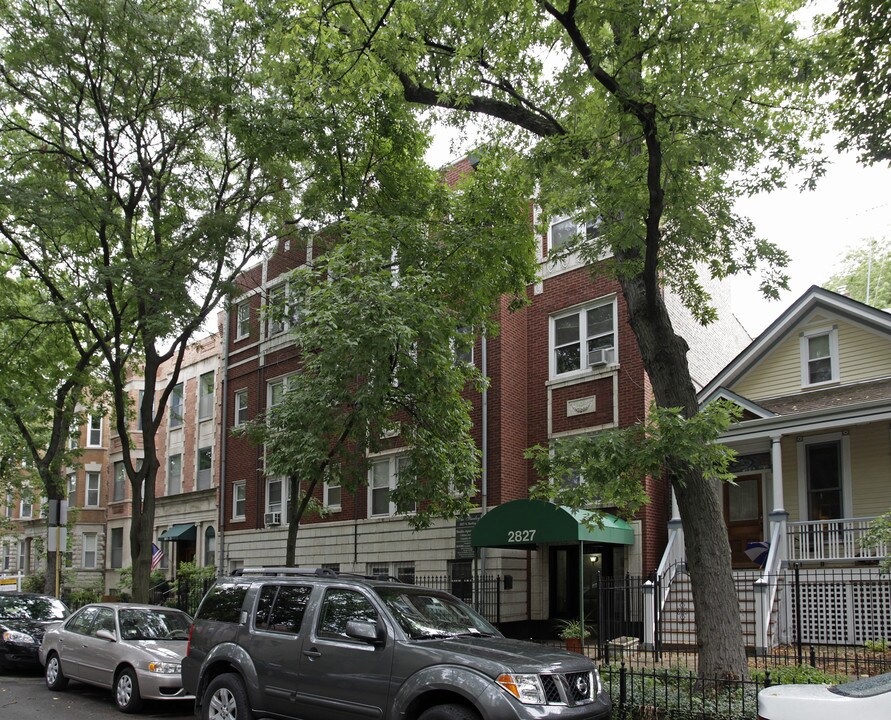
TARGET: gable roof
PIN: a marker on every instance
(814, 298)
(751, 409)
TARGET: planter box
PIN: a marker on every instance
(619, 646)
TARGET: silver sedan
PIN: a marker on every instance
(135, 650)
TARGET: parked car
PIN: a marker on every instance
(24, 618)
(864, 699)
(133, 649)
(316, 644)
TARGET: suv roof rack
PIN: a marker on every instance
(317, 572)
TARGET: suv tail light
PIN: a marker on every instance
(189, 644)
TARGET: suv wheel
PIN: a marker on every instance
(55, 680)
(126, 692)
(449, 712)
(226, 699)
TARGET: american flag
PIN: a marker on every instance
(156, 556)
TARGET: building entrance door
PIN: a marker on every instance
(744, 516)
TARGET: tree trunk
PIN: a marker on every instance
(141, 527)
(52, 483)
(718, 627)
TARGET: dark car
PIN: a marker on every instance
(316, 644)
(24, 618)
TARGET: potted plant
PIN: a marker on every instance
(574, 633)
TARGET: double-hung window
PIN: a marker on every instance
(120, 481)
(277, 496)
(278, 311)
(241, 407)
(25, 508)
(239, 500)
(819, 357)
(175, 474)
(332, 496)
(383, 477)
(92, 494)
(176, 406)
(243, 320)
(72, 489)
(94, 432)
(90, 545)
(584, 338)
(205, 396)
(205, 467)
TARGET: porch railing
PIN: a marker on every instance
(831, 540)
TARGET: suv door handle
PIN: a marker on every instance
(312, 653)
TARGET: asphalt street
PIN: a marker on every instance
(24, 696)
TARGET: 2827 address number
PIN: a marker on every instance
(520, 536)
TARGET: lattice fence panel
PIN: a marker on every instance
(824, 612)
(872, 610)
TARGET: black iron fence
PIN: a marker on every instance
(678, 693)
(183, 593)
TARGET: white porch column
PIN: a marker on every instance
(675, 510)
(776, 463)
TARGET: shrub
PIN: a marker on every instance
(801, 674)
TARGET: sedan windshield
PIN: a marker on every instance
(424, 614)
(33, 607)
(142, 624)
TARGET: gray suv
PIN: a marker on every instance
(318, 645)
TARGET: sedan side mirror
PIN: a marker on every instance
(106, 635)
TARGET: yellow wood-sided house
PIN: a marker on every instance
(813, 470)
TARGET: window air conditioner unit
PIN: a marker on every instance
(272, 519)
(601, 356)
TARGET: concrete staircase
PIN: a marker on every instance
(678, 621)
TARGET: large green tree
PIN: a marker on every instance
(858, 47)
(653, 116)
(865, 274)
(395, 287)
(139, 160)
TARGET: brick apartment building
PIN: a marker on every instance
(565, 364)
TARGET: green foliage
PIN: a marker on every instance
(801, 674)
(83, 596)
(878, 535)
(573, 630)
(857, 39)
(125, 578)
(34, 583)
(870, 262)
(879, 645)
(608, 468)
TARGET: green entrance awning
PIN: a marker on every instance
(529, 523)
(183, 531)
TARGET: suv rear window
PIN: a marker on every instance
(223, 602)
(281, 607)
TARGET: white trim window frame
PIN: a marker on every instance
(805, 485)
(275, 391)
(206, 395)
(241, 408)
(176, 406)
(577, 332)
(819, 356)
(239, 500)
(383, 477)
(119, 484)
(175, 474)
(563, 228)
(94, 431)
(72, 489)
(204, 468)
(242, 320)
(26, 508)
(91, 496)
(276, 295)
(277, 495)
(90, 551)
(333, 493)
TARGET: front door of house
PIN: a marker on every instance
(743, 514)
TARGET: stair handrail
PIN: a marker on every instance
(766, 587)
(672, 561)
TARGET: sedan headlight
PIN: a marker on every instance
(525, 688)
(20, 638)
(164, 668)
